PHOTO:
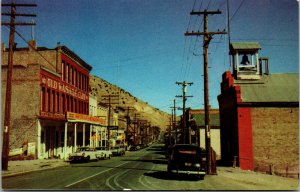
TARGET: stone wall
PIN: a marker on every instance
(276, 140)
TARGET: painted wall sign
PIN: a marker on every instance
(86, 118)
(65, 88)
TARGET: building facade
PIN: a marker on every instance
(50, 100)
(259, 116)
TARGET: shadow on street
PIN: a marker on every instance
(164, 175)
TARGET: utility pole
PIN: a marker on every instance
(207, 37)
(184, 98)
(7, 113)
(128, 122)
(174, 119)
(112, 99)
(135, 127)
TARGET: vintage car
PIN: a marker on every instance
(118, 151)
(104, 152)
(186, 159)
(85, 154)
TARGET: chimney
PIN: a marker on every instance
(32, 45)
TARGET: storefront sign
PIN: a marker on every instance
(86, 118)
(65, 88)
(52, 115)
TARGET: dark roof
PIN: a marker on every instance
(271, 88)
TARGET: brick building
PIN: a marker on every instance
(50, 100)
(259, 114)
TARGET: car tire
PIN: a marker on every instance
(88, 158)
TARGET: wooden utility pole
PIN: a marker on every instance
(110, 99)
(174, 119)
(207, 37)
(128, 122)
(7, 113)
(184, 98)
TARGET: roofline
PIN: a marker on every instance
(67, 51)
(268, 104)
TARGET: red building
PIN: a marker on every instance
(259, 114)
(50, 100)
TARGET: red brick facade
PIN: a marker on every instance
(263, 136)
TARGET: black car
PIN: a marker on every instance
(186, 159)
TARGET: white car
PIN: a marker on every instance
(104, 152)
(85, 154)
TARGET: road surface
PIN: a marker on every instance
(142, 170)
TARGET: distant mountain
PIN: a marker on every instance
(100, 87)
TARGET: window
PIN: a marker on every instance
(71, 75)
(63, 70)
(75, 77)
(71, 102)
(67, 73)
(68, 103)
(43, 99)
(57, 102)
(75, 106)
(48, 100)
(63, 103)
(53, 101)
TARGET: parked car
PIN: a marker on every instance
(85, 154)
(118, 150)
(134, 148)
(104, 152)
(186, 159)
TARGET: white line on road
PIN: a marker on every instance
(95, 175)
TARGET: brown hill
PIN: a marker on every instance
(100, 87)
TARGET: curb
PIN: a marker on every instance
(29, 171)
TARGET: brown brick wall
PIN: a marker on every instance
(276, 140)
(25, 103)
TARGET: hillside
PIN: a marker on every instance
(99, 87)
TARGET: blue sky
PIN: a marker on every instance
(140, 46)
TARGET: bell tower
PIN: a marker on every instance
(245, 62)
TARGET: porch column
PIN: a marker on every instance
(65, 141)
(91, 127)
(39, 137)
(97, 143)
(83, 135)
(75, 137)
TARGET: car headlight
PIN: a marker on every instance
(197, 165)
(188, 164)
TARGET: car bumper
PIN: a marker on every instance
(76, 158)
(188, 172)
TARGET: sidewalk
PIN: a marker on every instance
(25, 166)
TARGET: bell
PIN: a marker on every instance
(245, 60)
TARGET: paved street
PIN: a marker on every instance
(142, 170)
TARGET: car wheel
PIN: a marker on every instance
(109, 156)
(201, 177)
(88, 158)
